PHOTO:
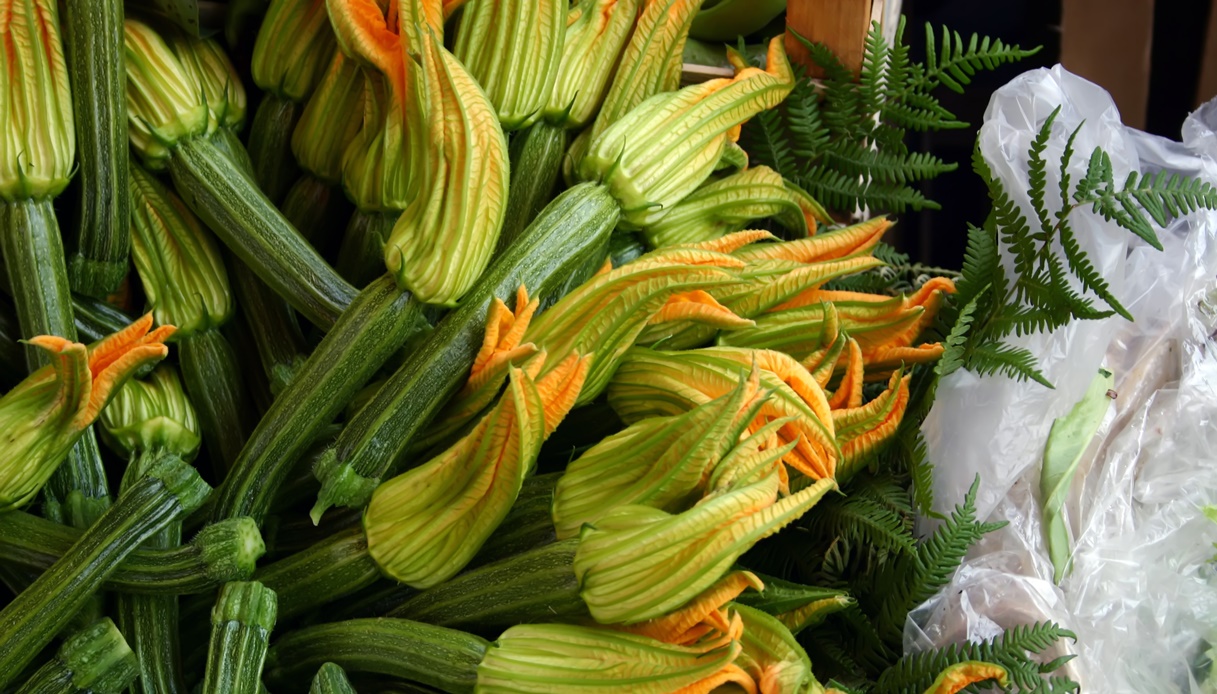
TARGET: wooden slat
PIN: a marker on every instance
(1108, 42)
(839, 24)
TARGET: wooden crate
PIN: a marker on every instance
(841, 25)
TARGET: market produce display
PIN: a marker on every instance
(492, 358)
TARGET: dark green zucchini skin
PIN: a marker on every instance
(32, 249)
(270, 145)
(96, 319)
(446, 659)
(231, 204)
(221, 552)
(361, 257)
(272, 324)
(93, 39)
(39, 612)
(212, 378)
(331, 679)
(94, 660)
(557, 252)
(536, 586)
(528, 525)
(380, 320)
(324, 572)
(241, 622)
(536, 160)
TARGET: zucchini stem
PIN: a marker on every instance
(241, 622)
(95, 659)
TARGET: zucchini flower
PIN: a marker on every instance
(513, 48)
(661, 462)
(424, 525)
(772, 657)
(177, 259)
(638, 563)
(445, 238)
(164, 104)
(375, 167)
(38, 148)
(729, 204)
(884, 327)
(863, 428)
(601, 317)
(702, 616)
(848, 242)
(43, 416)
(959, 676)
(152, 414)
(822, 362)
(293, 48)
(596, 34)
(326, 129)
(652, 383)
(214, 78)
(580, 659)
(663, 149)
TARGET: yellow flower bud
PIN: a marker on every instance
(597, 32)
(293, 48)
(152, 414)
(38, 146)
(164, 104)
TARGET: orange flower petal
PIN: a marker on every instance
(559, 388)
(849, 392)
(842, 243)
(675, 628)
(955, 678)
(731, 673)
(698, 306)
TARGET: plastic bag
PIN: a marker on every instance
(1142, 592)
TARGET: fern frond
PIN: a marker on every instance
(887, 491)
(1012, 650)
(1037, 175)
(956, 343)
(767, 141)
(864, 521)
(921, 471)
(1085, 271)
(859, 159)
(1012, 362)
(953, 64)
(871, 78)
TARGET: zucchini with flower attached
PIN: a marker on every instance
(291, 54)
(37, 154)
(662, 157)
(168, 123)
(101, 241)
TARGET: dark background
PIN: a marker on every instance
(936, 236)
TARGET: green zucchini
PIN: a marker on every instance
(446, 659)
(315, 207)
(33, 618)
(536, 586)
(377, 324)
(95, 660)
(241, 622)
(93, 38)
(331, 679)
(211, 376)
(96, 319)
(362, 254)
(270, 145)
(324, 572)
(557, 252)
(536, 160)
(246, 221)
(224, 551)
(33, 255)
(276, 334)
(229, 144)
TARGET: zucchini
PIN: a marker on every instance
(33, 618)
(558, 251)
(331, 679)
(326, 571)
(96, 319)
(270, 145)
(224, 551)
(377, 324)
(211, 376)
(247, 222)
(446, 659)
(93, 38)
(33, 254)
(536, 160)
(272, 323)
(95, 660)
(241, 622)
(315, 207)
(536, 586)
(362, 254)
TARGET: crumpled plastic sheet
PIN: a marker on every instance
(1142, 593)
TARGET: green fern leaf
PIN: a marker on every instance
(860, 520)
(1012, 362)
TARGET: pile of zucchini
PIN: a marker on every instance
(475, 363)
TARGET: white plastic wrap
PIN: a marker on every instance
(1142, 594)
